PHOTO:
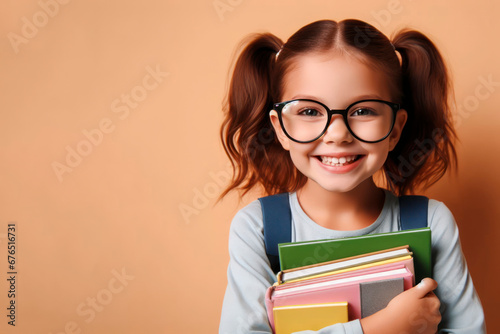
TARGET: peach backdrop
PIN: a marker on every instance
(111, 160)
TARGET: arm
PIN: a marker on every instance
(461, 310)
(460, 305)
(249, 275)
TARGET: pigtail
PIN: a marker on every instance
(246, 132)
(426, 148)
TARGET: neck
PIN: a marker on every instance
(351, 210)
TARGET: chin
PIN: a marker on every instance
(337, 187)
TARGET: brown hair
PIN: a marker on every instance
(419, 81)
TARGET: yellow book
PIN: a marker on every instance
(294, 318)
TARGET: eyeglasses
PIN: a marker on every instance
(305, 121)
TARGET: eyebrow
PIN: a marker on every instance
(357, 98)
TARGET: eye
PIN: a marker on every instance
(312, 112)
(362, 111)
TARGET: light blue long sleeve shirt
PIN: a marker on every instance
(249, 273)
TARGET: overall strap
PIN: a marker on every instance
(277, 219)
(413, 212)
(277, 225)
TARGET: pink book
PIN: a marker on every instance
(332, 289)
(349, 293)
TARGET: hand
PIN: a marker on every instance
(413, 311)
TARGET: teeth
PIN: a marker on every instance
(337, 162)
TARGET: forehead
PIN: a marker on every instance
(336, 80)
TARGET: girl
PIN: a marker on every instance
(346, 106)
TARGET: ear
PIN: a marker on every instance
(284, 140)
(401, 117)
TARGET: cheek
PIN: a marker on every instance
(379, 152)
(299, 153)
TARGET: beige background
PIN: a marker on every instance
(139, 201)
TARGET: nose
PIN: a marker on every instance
(337, 131)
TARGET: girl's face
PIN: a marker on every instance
(337, 81)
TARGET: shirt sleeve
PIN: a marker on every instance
(249, 276)
(461, 308)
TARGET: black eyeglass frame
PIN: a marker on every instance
(395, 107)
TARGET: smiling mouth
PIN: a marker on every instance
(339, 162)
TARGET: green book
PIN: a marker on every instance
(298, 254)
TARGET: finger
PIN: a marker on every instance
(424, 287)
(430, 294)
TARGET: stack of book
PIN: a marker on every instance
(330, 281)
